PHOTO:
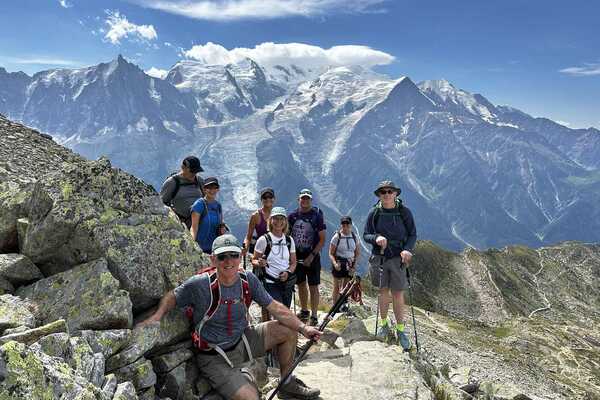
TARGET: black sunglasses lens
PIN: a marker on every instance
(268, 197)
(225, 257)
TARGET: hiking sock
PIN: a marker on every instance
(400, 327)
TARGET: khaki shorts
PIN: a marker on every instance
(222, 377)
(394, 273)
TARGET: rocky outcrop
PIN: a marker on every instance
(87, 296)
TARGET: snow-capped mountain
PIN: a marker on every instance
(473, 173)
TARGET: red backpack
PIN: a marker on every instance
(215, 302)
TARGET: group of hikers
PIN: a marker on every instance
(284, 251)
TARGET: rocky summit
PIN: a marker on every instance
(87, 250)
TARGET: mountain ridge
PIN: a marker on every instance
(476, 174)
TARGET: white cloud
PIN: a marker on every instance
(41, 61)
(121, 28)
(227, 10)
(303, 55)
(65, 4)
(588, 69)
(157, 73)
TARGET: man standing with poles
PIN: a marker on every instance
(390, 229)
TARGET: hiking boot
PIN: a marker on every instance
(314, 321)
(384, 332)
(303, 315)
(403, 340)
(296, 389)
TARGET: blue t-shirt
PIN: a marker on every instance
(195, 292)
(207, 227)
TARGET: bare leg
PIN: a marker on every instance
(246, 392)
(285, 340)
(314, 298)
(336, 289)
(384, 302)
(398, 300)
(303, 295)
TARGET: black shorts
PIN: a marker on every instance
(311, 273)
(343, 272)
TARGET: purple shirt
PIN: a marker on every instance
(305, 228)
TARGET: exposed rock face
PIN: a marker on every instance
(87, 296)
(15, 312)
(30, 374)
(18, 269)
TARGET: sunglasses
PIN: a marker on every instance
(228, 256)
(345, 223)
(268, 197)
(388, 191)
(211, 187)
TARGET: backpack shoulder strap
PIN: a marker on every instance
(288, 243)
(339, 237)
(246, 292)
(177, 185)
(269, 245)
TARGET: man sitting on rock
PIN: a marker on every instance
(222, 334)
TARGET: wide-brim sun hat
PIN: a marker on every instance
(386, 185)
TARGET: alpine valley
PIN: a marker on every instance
(473, 173)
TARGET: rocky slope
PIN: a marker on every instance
(87, 250)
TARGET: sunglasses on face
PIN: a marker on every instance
(388, 191)
(228, 256)
(269, 197)
(345, 223)
(211, 187)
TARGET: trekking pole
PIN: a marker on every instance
(379, 291)
(412, 308)
(334, 309)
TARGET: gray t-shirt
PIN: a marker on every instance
(185, 197)
(195, 292)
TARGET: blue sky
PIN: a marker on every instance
(540, 56)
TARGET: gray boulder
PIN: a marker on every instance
(139, 373)
(31, 374)
(6, 287)
(125, 391)
(18, 269)
(166, 362)
(15, 312)
(141, 340)
(109, 386)
(29, 336)
(87, 296)
(173, 383)
(107, 342)
(14, 203)
(366, 370)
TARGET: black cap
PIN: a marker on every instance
(193, 164)
(267, 190)
(386, 185)
(211, 180)
(346, 218)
